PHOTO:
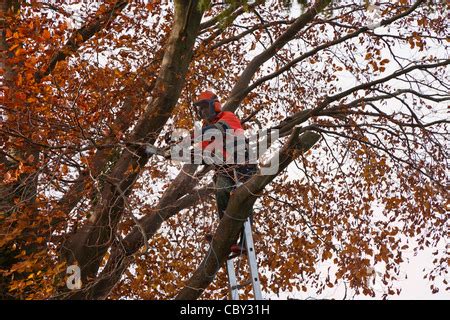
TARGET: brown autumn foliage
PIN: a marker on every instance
(360, 108)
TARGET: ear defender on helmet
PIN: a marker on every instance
(217, 106)
(214, 106)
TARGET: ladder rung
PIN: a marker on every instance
(242, 285)
(234, 255)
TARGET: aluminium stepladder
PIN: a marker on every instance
(251, 257)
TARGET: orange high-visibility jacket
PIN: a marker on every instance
(228, 120)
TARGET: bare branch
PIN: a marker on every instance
(236, 94)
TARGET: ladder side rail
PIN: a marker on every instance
(232, 281)
(252, 260)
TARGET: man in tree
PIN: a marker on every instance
(227, 175)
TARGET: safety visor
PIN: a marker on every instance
(201, 103)
(201, 108)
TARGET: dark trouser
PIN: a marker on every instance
(224, 184)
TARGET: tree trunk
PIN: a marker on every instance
(88, 246)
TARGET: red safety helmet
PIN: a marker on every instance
(208, 99)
